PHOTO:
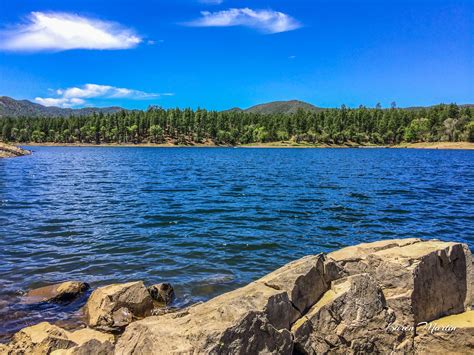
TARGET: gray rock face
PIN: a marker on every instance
(351, 317)
(112, 307)
(303, 280)
(414, 275)
(61, 292)
(253, 319)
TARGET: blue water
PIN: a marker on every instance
(210, 220)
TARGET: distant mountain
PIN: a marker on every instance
(289, 107)
(15, 108)
(282, 107)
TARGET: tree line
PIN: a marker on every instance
(186, 126)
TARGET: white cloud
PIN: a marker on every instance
(62, 31)
(61, 102)
(75, 96)
(211, 2)
(268, 21)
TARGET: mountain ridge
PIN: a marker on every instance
(282, 107)
(10, 107)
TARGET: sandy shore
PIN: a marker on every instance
(437, 145)
(422, 145)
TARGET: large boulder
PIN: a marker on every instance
(253, 319)
(303, 280)
(111, 308)
(61, 292)
(39, 339)
(351, 317)
(414, 275)
(448, 335)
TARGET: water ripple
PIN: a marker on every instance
(210, 220)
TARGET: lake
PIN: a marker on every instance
(209, 220)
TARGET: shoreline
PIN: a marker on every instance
(420, 145)
(12, 151)
(290, 308)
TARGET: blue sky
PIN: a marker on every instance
(222, 54)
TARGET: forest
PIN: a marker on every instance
(187, 127)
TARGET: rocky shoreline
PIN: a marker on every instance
(396, 296)
(10, 151)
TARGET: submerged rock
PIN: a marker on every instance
(112, 307)
(61, 292)
(162, 293)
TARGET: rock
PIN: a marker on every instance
(61, 292)
(8, 151)
(89, 341)
(472, 284)
(351, 317)
(162, 293)
(91, 347)
(42, 338)
(45, 338)
(111, 308)
(253, 319)
(4, 349)
(303, 280)
(414, 275)
(84, 335)
(242, 319)
(361, 299)
(448, 335)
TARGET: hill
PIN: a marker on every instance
(16, 108)
(283, 107)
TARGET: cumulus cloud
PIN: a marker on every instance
(267, 21)
(75, 96)
(55, 31)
